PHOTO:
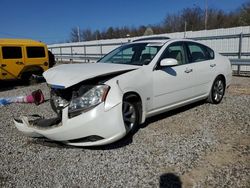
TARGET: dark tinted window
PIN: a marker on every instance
(35, 52)
(199, 52)
(175, 51)
(12, 52)
(210, 52)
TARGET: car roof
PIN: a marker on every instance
(151, 38)
(6, 41)
(161, 40)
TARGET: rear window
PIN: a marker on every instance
(12, 52)
(200, 52)
(35, 52)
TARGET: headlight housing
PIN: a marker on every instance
(57, 101)
(88, 97)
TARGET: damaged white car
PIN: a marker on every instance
(99, 103)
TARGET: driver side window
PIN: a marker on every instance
(175, 51)
(123, 56)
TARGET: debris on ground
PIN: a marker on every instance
(36, 97)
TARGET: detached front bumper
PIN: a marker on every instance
(106, 125)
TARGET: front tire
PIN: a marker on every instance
(130, 113)
(217, 91)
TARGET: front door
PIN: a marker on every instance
(12, 61)
(173, 85)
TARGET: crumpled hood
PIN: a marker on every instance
(64, 76)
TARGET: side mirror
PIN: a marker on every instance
(168, 62)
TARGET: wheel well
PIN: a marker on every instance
(223, 78)
(135, 98)
(31, 69)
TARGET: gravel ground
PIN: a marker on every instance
(201, 145)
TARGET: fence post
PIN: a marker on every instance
(240, 49)
(101, 49)
(85, 55)
(61, 53)
(71, 52)
(240, 45)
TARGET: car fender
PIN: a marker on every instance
(143, 100)
(223, 68)
(114, 96)
(137, 81)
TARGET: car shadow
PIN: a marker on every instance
(13, 84)
(171, 113)
(169, 70)
(127, 140)
(8, 85)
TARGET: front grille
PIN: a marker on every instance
(47, 123)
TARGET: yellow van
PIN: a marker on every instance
(21, 58)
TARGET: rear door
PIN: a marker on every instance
(204, 64)
(12, 61)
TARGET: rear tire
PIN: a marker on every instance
(32, 80)
(29, 79)
(217, 91)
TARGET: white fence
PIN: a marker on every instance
(231, 42)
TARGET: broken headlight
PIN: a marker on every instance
(87, 98)
(57, 101)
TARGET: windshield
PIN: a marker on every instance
(133, 54)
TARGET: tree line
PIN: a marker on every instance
(189, 19)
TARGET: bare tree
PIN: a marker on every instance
(193, 17)
(87, 35)
(74, 37)
(245, 14)
(110, 33)
(97, 35)
(172, 23)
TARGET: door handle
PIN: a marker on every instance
(19, 63)
(212, 65)
(3, 65)
(188, 70)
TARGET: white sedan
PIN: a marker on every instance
(99, 103)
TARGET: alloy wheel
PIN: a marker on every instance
(129, 115)
(218, 90)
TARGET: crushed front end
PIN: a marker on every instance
(88, 113)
